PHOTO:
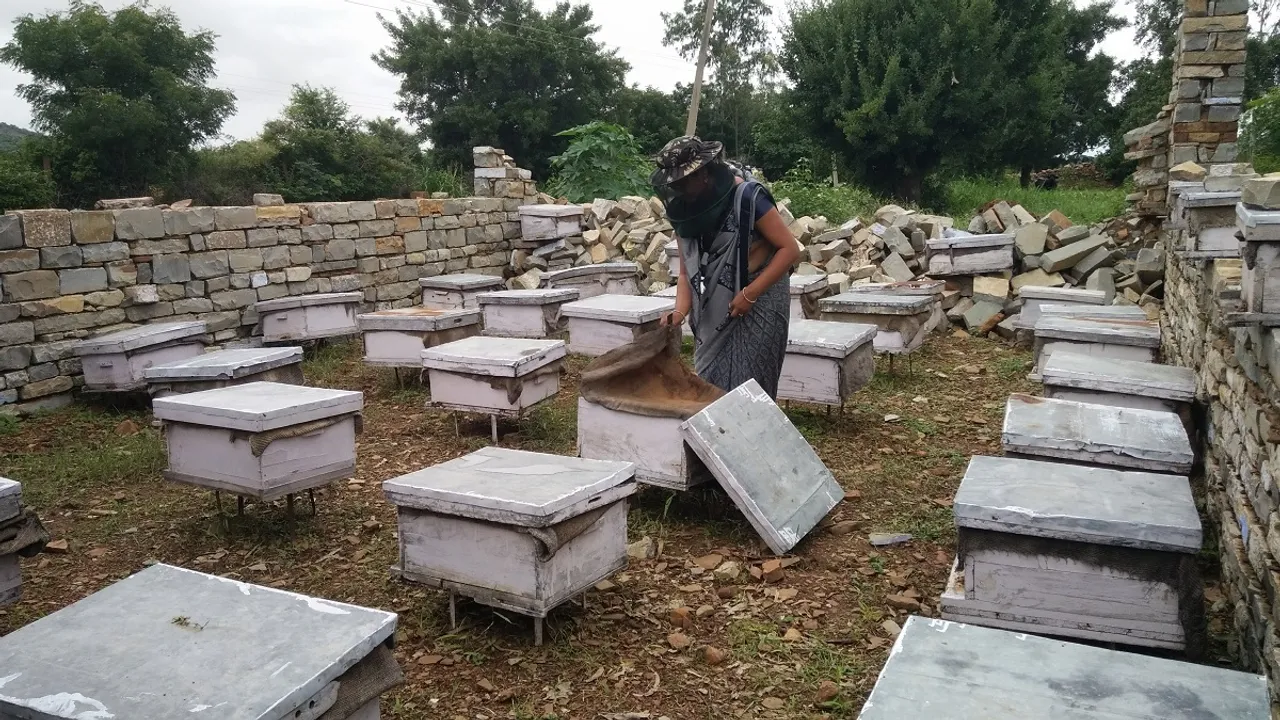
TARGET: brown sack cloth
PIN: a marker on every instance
(647, 377)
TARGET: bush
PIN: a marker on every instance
(1260, 133)
(603, 161)
(813, 197)
(23, 184)
(964, 197)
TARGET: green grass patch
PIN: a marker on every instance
(924, 427)
(964, 197)
(750, 638)
(836, 204)
(325, 365)
(1009, 368)
(931, 524)
(551, 427)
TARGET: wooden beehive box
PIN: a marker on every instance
(10, 569)
(1103, 337)
(1034, 299)
(827, 362)
(457, 292)
(806, 291)
(1209, 222)
(118, 361)
(261, 440)
(904, 320)
(602, 323)
(1082, 552)
(494, 376)
(911, 288)
(970, 255)
(396, 338)
(618, 278)
(309, 317)
(1123, 383)
(1260, 271)
(541, 223)
(173, 643)
(654, 445)
(525, 313)
(226, 367)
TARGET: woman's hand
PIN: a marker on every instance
(741, 304)
(673, 318)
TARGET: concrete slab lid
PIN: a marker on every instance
(1111, 331)
(461, 281)
(1064, 295)
(313, 300)
(1097, 434)
(917, 288)
(257, 406)
(140, 337)
(877, 304)
(1178, 187)
(1249, 217)
(551, 211)
(9, 488)
(616, 268)
(803, 284)
(494, 356)
(765, 465)
(418, 319)
(634, 309)
(1123, 312)
(1219, 198)
(668, 292)
(537, 296)
(173, 643)
(1082, 504)
(939, 670)
(825, 338)
(226, 364)
(971, 242)
(1129, 377)
(514, 486)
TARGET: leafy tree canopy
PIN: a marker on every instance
(603, 161)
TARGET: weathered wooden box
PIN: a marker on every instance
(494, 376)
(515, 530)
(396, 338)
(173, 643)
(1207, 221)
(653, 445)
(827, 362)
(309, 317)
(525, 313)
(457, 292)
(226, 367)
(1069, 375)
(1102, 337)
(1034, 299)
(10, 569)
(619, 278)
(261, 440)
(602, 323)
(1260, 271)
(911, 288)
(550, 222)
(806, 291)
(970, 255)
(118, 361)
(904, 320)
(1081, 552)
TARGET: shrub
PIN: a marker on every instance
(603, 161)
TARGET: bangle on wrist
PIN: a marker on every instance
(748, 297)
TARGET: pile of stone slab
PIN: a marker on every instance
(550, 240)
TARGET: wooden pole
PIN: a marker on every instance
(692, 125)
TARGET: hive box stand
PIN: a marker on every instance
(653, 445)
(498, 377)
(515, 530)
(1034, 299)
(525, 313)
(309, 317)
(457, 292)
(1260, 274)
(602, 323)
(543, 223)
(226, 367)
(1121, 383)
(396, 338)
(618, 278)
(827, 362)
(904, 321)
(970, 255)
(118, 361)
(1209, 222)
(1040, 553)
(174, 643)
(10, 570)
(1105, 338)
(261, 440)
(806, 291)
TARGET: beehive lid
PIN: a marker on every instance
(765, 465)
(1086, 372)
(1102, 312)
(1203, 199)
(301, 301)
(1110, 331)
(1097, 434)
(1252, 218)
(538, 296)
(494, 356)
(1066, 295)
(630, 309)
(913, 288)
(1101, 506)
(514, 487)
(970, 242)
(805, 284)
(10, 498)
(551, 211)
(140, 337)
(828, 339)
(226, 364)
(418, 319)
(617, 268)
(667, 292)
(174, 643)
(877, 304)
(1178, 187)
(940, 670)
(461, 282)
(257, 406)
(672, 248)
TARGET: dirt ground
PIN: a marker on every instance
(807, 641)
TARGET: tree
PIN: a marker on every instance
(123, 97)
(23, 184)
(1088, 114)
(1260, 136)
(1157, 25)
(603, 161)
(653, 117)
(500, 72)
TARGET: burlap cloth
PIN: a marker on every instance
(377, 673)
(23, 534)
(648, 378)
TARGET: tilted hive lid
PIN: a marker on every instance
(1101, 312)
(494, 356)
(461, 282)
(226, 364)
(617, 268)
(301, 301)
(537, 296)
(877, 304)
(805, 284)
(1206, 199)
(828, 339)
(1129, 377)
(140, 337)
(418, 319)
(635, 309)
(10, 499)
(1110, 331)
(257, 406)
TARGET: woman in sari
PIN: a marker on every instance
(736, 256)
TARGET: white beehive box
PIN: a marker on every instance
(396, 338)
(457, 292)
(827, 362)
(261, 440)
(904, 320)
(1103, 337)
(1208, 221)
(221, 368)
(806, 291)
(1081, 552)
(525, 313)
(970, 255)
(543, 223)
(654, 445)
(911, 288)
(1123, 383)
(515, 530)
(602, 323)
(618, 278)
(1034, 299)
(10, 570)
(673, 258)
(309, 317)
(118, 361)
(1260, 271)
(494, 376)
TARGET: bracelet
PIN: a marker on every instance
(748, 297)
(683, 316)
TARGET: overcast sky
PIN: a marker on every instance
(264, 46)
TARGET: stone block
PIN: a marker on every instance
(317, 233)
(10, 232)
(122, 273)
(31, 285)
(234, 218)
(1187, 172)
(1030, 239)
(1068, 255)
(14, 357)
(262, 237)
(1227, 87)
(234, 299)
(61, 305)
(170, 269)
(225, 240)
(981, 314)
(192, 306)
(1224, 113)
(1099, 258)
(9, 312)
(297, 274)
(209, 264)
(330, 213)
(189, 221)
(19, 260)
(245, 260)
(105, 252)
(1036, 278)
(364, 210)
(17, 333)
(267, 199)
(1262, 192)
(895, 267)
(139, 223)
(991, 288)
(159, 247)
(45, 228)
(52, 386)
(275, 258)
(143, 313)
(105, 298)
(82, 280)
(92, 226)
(340, 249)
(1186, 112)
(389, 245)
(377, 228)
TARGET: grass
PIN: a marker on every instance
(964, 197)
(1008, 368)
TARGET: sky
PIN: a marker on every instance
(265, 46)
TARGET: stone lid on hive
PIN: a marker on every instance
(970, 242)
(1204, 198)
(551, 211)
(828, 339)
(173, 643)
(805, 284)
(1111, 331)
(494, 356)
(914, 288)
(140, 337)
(1129, 377)
(1258, 225)
(417, 319)
(300, 301)
(1103, 312)
(226, 364)
(667, 292)
(10, 499)
(615, 268)
(461, 281)
(514, 487)
(1077, 296)
(257, 406)
(1101, 506)
(877, 304)
(537, 296)
(631, 309)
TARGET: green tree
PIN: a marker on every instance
(654, 117)
(1260, 136)
(777, 145)
(123, 97)
(23, 183)
(603, 161)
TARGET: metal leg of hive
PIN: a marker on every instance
(453, 610)
(312, 494)
(493, 427)
(288, 504)
(217, 499)
(240, 505)
(537, 632)
(399, 382)
(457, 431)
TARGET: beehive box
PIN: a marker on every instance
(827, 362)
(10, 569)
(1122, 383)
(619, 278)
(457, 292)
(1209, 221)
(525, 313)
(911, 288)
(673, 258)
(396, 338)
(1034, 299)
(261, 440)
(1091, 553)
(542, 223)
(602, 323)
(671, 293)
(904, 321)
(806, 291)
(970, 255)
(173, 643)
(1260, 272)
(653, 445)
(309, 317)
(1102, 337)
(118, 361)
(494, 376)
(226, 367)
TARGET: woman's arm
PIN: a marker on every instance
(684, 296)
(775, 231)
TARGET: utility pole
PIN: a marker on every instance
(691, 127)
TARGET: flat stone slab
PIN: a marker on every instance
(828, 339)
(1109, 331)
(551, 211)
(494, 356)
(877, 304)
(174, 643)
(618, 268)
(1096, 434)
(143, 336)
(10, 498)
(971, 242)
(418, 319)
(780, 484)
(913, 288)
(537, 296)
(226, 364)
(1063, 295)
(1206, 199)
(1082, 504)
(301, 301)
(627, 309)
(1128, 377)
(1258, 225)
(257, 406)
(462, 282)
(805, 284)
(940, 670)
(1101, 312)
